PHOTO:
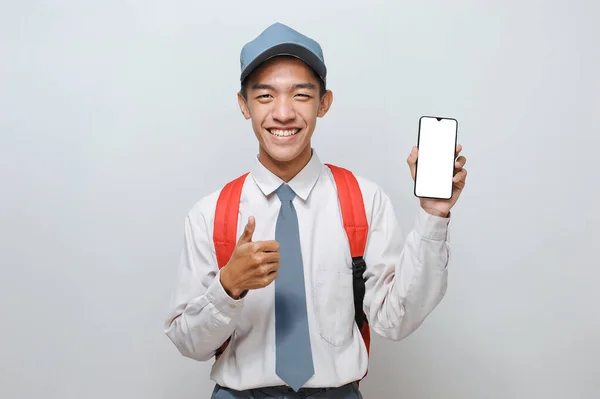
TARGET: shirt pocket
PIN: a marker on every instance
(334, 306)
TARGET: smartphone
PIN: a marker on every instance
(436, 141)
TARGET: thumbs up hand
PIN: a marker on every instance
(253, 264)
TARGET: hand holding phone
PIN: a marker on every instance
(436, 142)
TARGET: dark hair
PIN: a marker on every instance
(322, 88)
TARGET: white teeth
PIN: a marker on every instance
(283, 133)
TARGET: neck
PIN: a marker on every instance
(288, 169)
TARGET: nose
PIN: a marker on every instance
(283, 110)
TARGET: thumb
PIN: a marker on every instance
(246, 236)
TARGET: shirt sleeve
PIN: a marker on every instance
(405, 278)
(202, 316)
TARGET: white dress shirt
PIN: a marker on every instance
(405, 281)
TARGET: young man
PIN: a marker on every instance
(284, 300)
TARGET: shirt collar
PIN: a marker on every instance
(302, 183)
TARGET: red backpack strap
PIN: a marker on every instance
(226, 219)
(225, 227)
(356, 226)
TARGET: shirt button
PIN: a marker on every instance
(232, 306)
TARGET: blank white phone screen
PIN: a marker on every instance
(435, 162)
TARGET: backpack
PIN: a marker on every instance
(355, 224)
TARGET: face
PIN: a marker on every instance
(283, 103)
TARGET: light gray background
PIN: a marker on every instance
(116, 116)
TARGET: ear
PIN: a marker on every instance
(325, 103)
(243, 105)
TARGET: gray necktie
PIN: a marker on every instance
(294, 362)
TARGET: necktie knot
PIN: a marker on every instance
(285, 193)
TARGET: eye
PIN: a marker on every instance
(263, 98)
(302, 95)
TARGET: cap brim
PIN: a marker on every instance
(291, 49)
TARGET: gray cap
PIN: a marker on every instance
(280, 39)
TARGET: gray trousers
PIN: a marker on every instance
(348, 391)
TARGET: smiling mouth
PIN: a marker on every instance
(283, 133)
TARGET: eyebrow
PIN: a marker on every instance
(307, 85)
(264, 86)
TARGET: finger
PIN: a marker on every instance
(246, 236)
(269, 257)
(270, 267)
(458, 149)
(269, 278)
(266, 246)
(412, 161)
(412, 157)
(460, 162)
(274, 267)
(461, 176)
